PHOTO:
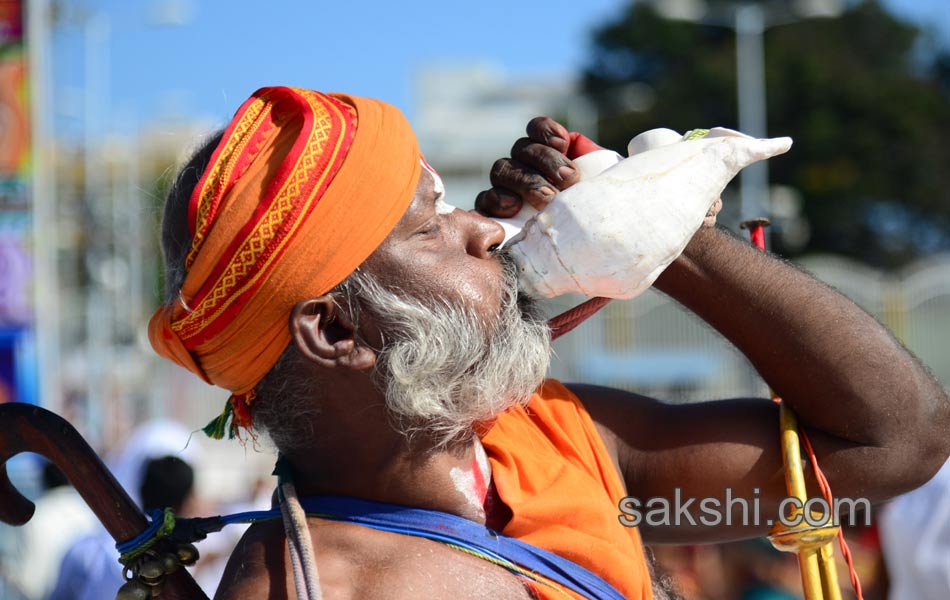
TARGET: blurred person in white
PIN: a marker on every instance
(216, 549)
(152, 439)
(61, 517)
(89, 570)
(915, 538)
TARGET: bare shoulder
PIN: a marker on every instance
(256, 568)
(357, 562)
(260, 565)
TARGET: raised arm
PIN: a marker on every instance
(840, 369)
(878, 420)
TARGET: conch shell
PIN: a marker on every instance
(613, 233)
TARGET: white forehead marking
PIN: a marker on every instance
(441, 206)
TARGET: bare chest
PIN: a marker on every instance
(393, 567)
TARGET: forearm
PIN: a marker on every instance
(839, 368)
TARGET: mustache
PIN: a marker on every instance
(528, 305)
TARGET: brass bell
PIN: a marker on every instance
(152, 572)
(169, 562)
(133, 590)
(187, 554)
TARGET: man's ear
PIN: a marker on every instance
(325, 335)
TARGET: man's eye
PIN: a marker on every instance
(431, 229)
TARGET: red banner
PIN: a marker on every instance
(14, 108)
(11, 22)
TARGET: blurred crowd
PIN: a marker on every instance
(754, 570)
(63, 553)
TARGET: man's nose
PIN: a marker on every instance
(483, 234)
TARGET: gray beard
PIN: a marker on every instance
(442, 369)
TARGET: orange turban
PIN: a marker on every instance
(299, 192)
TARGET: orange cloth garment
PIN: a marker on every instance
(299, 192)
(551, 468)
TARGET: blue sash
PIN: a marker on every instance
(516, 556)
(512, 554)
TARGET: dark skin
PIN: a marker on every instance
(877, 419)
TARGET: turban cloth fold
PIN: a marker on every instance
(301, 189)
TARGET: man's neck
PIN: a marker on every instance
(454, 480)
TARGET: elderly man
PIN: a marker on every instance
(378, 337)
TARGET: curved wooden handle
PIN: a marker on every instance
(29, 428)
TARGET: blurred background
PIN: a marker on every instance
(99, 99)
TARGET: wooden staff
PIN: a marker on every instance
(29, 428)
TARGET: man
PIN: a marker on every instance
(378, 337)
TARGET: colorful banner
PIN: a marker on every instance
(14, 109)
(17, 350)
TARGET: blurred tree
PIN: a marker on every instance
(867, 102)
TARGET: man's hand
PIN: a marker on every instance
(710, 220)
(537, 170)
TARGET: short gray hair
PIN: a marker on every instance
(176, 234)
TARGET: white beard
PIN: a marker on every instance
(442, 369)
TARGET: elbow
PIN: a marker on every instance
(936, 449)
(924, 446)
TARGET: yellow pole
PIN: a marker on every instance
(795, 484)
(813, 544)
(829, 572)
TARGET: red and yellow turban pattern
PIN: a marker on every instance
(299, 192)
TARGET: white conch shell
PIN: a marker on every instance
(613, 234)
(588, 166)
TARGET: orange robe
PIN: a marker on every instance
(551, 468)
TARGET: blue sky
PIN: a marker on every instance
(228, 48)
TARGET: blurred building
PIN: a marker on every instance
(468, 115)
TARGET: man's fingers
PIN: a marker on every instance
(528, 184)
(710, 220)
(549, 132)
(498, 202)
(537, 170)
(551, 164)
